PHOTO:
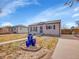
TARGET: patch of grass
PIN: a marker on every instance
(12, 48)
(47, 43)
(12, 37)
(9, 48)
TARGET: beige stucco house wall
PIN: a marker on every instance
(46, 28)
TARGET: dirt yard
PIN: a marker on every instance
(13, 50)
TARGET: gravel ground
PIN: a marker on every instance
(21, 54)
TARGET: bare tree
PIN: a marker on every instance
(77, 22)
(70, 2)
(64, 26)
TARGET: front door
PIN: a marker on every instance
(41, 29)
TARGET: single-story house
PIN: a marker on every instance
(45, 28)
(20, 29)
(6, 30)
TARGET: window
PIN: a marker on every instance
(40, 27)
(30, 28)
(20, 28)
(14, 28)
(34, 28)
(48, 27)
(0, 28)
(53, 26)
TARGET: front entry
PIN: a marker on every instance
(41, 30)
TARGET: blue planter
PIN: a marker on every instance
(30, 41)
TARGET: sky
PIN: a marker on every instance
(26, 12)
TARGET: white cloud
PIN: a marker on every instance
(76, 19)
(75, 15)
(69, 25)
(36, 2)
(48, 14)
(6, 24)
(76, 9)
(10, 7)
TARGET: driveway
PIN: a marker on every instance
(69, 37)
(66, 49)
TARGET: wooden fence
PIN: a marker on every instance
(69, 31)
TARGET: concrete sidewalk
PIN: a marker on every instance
(66, 49)
(7, 42)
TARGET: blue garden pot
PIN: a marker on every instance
(30, 41)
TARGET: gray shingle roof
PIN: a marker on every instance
(46, 22)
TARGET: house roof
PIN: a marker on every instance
(46, 22)
(20, 26)
(6, 27)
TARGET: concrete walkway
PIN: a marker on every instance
(66, 49)
(7, 42)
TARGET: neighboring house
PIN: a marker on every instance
(46, 28)
(20, 29)
(6, 30)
